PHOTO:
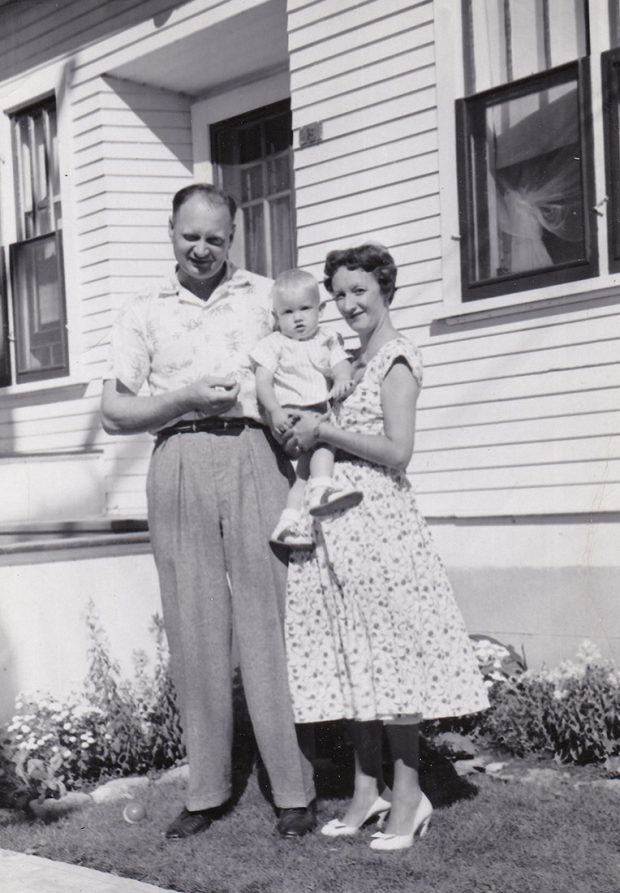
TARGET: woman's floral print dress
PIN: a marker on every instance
(372, 628)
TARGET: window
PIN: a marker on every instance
(611, 105)
(527, 185)
(525, 147)
(5, 358)
(252, 154)
(36, 267)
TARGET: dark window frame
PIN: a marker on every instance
(255, 116)
(10, 372)
(610, 61)
(514, 283)
(5, 356)
(56, 370)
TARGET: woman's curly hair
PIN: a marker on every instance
(370, 257)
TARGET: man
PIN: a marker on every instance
(215, 488)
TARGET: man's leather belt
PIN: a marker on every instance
(214, 425)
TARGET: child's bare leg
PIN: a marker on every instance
(325, 495)
(291, 530)
(321, 463)
(295, 499)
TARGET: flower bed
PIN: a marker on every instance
(570, 712)
(110, 728)
(117, 728)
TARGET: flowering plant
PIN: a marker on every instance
(569, 671)
(571, 712)
(52, 741)
(112, 727)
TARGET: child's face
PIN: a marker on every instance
(297, 313)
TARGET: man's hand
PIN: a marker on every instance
(212, 396)
(342, 389)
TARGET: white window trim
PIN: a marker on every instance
(29, 91)
(450, 87)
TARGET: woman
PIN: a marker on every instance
(373, 632)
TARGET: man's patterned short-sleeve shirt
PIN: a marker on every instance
(168, 337)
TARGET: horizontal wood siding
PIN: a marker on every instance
(519, 414)
(131, 149)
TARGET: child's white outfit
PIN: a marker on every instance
(302, 371)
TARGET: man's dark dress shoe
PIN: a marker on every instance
(296, 822)
(189, 823)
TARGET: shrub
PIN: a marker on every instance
(571, 712)
(157, 701)
(112, 727)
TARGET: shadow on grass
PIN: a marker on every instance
(327, 745)
(244, 748)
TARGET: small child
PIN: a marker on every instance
(294, 367)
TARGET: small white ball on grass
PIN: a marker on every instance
(134, 812)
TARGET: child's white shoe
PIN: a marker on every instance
(325, 500)
(291, 532)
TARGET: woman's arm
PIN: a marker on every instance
(123, 412)
(399, 394)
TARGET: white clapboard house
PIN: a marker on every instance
(479, 139)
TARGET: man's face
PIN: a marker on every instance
(201, 235)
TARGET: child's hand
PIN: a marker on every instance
(342, 389)
(281, 420)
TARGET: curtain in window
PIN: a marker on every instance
(535, 187)
(546, 198)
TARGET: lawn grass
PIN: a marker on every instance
(510, 838)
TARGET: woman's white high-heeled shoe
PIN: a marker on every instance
(388, 842)
(336, 828)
